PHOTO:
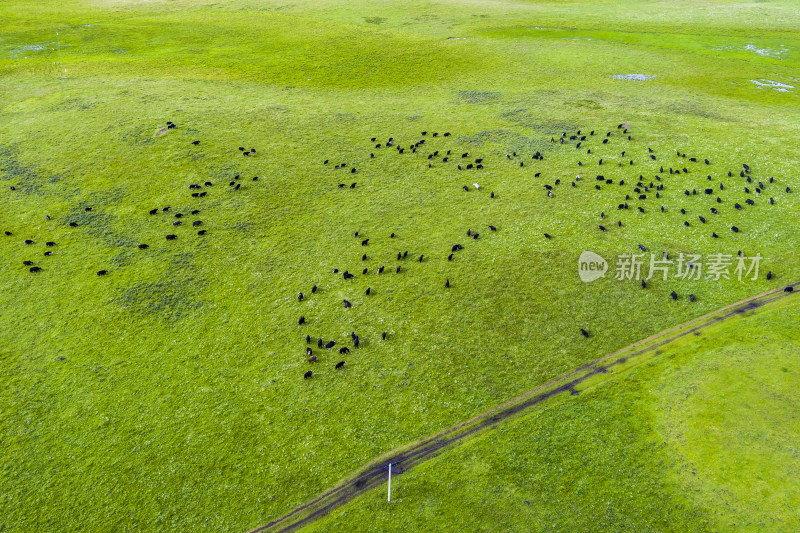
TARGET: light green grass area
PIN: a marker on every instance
(180, 402)
(701, 438)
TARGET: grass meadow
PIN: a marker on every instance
(169, 393)
(699, 439)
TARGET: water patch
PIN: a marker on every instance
(764, 52)
(633, 77)
(769, 84)
(23, 49)
(28, 48)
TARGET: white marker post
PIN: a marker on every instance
(389, 498)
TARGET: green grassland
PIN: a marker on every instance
(179, 402)
(701, 438)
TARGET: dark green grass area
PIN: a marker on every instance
(169, 393)
(698, 439)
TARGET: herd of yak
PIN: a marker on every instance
(640, 193)
(637, 192)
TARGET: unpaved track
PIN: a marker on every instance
(374, 473)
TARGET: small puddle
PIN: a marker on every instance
(633, 77)
(23, 49)
(769, 84)
(764, 52)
